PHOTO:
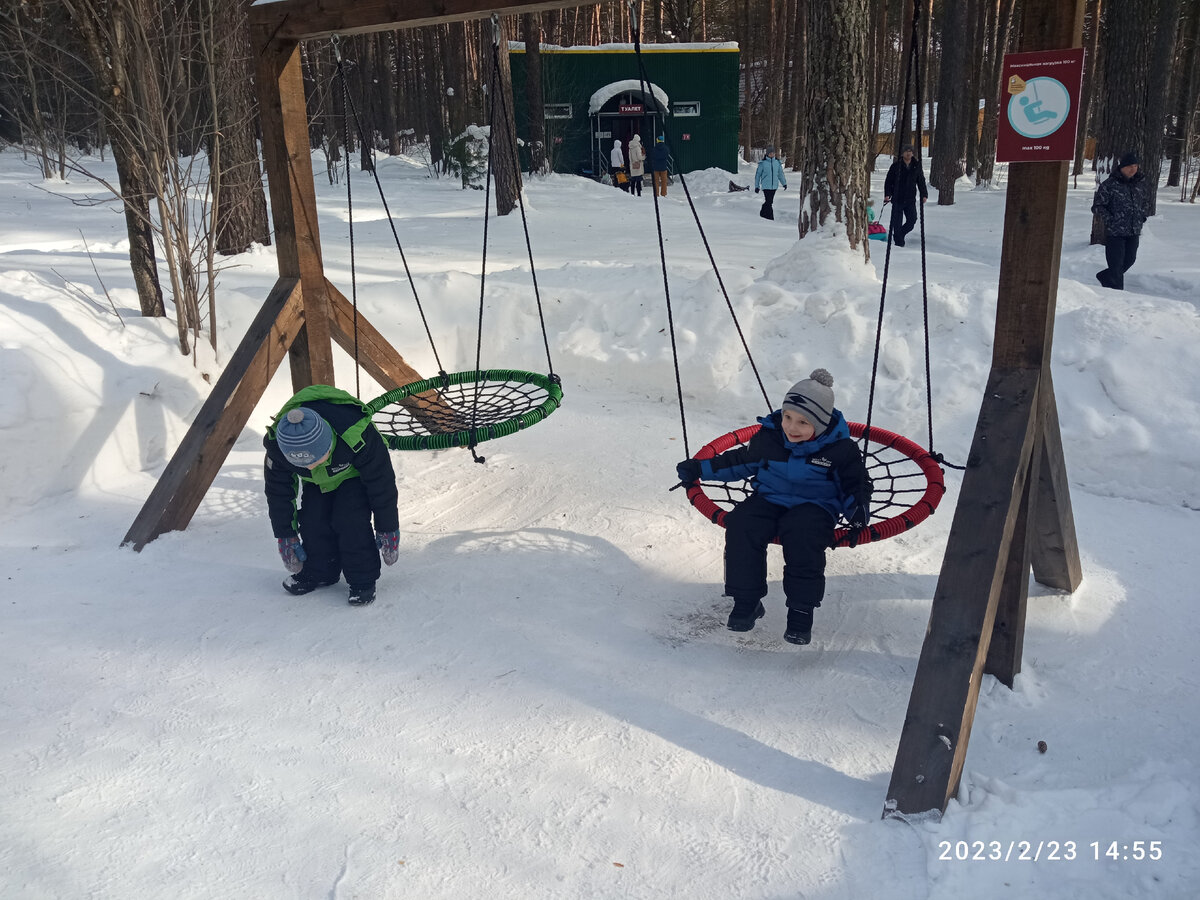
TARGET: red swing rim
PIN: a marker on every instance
(935, 487)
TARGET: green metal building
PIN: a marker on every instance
(593, 97)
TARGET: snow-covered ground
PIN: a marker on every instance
(544, 701)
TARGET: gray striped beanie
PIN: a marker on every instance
(813, 399)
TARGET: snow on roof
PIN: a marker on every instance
(609, 91)
(719, 46)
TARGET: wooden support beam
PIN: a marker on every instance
(287, 155)
(297, 20)
(1007, 643)
(373, 352)
(941, 709)
(1055, 546)
(191, 471)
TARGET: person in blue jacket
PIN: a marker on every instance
(807, 471)
(769, 178)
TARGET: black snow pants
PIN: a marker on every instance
(767, 211)
(804, 531)
(1120, 253)
(338, 534)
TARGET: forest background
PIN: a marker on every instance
(162, 84)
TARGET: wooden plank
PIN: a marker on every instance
(382, 362)
(1055, 550)
(375, 354)
(296, 20)
(937, 726)
(1007, 643)
(192, 468)
(287, 156)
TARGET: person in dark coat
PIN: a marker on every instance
(905, 179)
(807, 472)
(1123, 202)
(659, 162)
(324, 444)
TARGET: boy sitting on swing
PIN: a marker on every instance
(806, 472)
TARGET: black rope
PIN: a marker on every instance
(912, 75)
(524, 220)
(387, 211)
(644, 85)
(349, 205)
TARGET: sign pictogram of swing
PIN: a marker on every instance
(1039, 112)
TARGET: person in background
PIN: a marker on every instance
(637, 164)
(617, 163)
(769, 178)
(905, 179)
(1123, 202)
(324, 444)
(659, 162)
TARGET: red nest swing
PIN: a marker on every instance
(908, 483)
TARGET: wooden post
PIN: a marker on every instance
(1015, 506)
(287, 155)
(941, 708)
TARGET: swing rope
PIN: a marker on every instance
(510, 133)
(644, 86)
(341, 74)
(335, 40)
(912, 76)
(433, 414)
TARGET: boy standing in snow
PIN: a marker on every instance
(324, 439)
(807, 471)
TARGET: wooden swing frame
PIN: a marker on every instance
(1014, 509)
(304, 312)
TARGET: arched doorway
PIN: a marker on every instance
(620, 110)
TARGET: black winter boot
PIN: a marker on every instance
(361, 594)
(745, 613)
(302, 583)
(799, 626)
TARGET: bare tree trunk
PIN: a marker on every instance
(502, 145)
(1091, 75)
(1128, 37)
(834, 177)
(106, 33)
(241, 206)
(535, 125)
(1000, 35)
(1185, 105)
(796, 61)
(975, 61)
(1162, 55)
(947, 149)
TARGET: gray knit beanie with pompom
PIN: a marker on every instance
(813, 399)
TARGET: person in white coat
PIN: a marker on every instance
(769, 178)
(637, 164)
(617, 165)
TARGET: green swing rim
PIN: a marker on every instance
(471, 436)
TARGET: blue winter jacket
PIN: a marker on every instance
(769, 174)
(659, 158)
(827, 471)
